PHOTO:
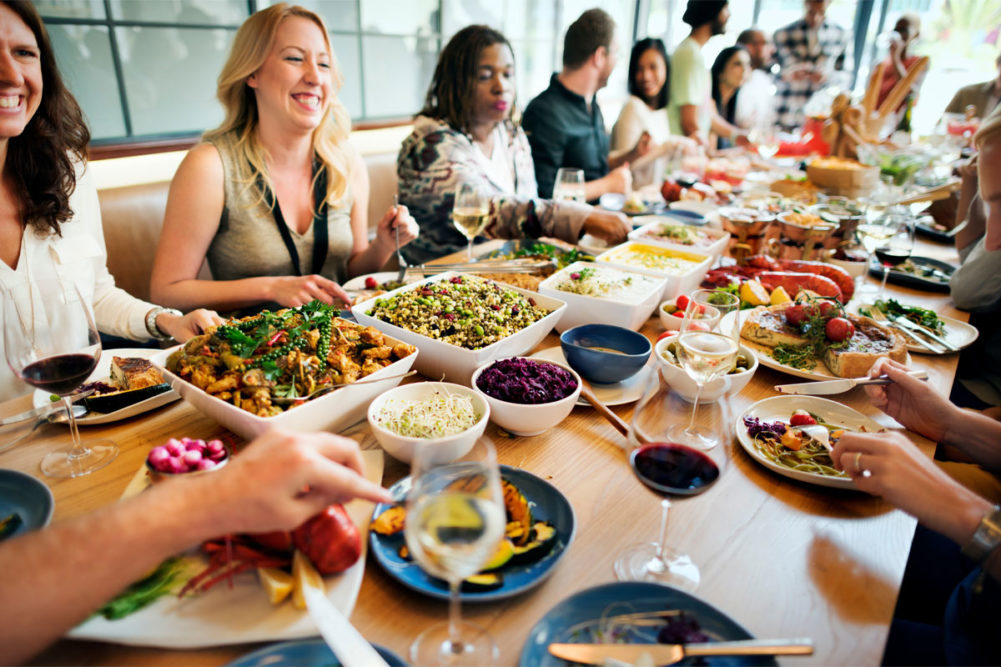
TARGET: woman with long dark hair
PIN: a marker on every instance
(730, 71)
(467, 132)
(50, 221)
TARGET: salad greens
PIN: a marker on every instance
(162, 581)
(921, 316)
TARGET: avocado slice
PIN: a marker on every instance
(483, 582)
(543, 539)
(502, 554)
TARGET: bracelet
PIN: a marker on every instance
(154, 331)
(986, 538)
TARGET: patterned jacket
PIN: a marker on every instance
(792, 48)
(435, 159)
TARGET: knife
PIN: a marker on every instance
(838, 386)
(351, 649)
(43, 409)
(666, 654)
(907, 324)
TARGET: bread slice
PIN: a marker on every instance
(766, 325)
(133, 373)
(870, 341)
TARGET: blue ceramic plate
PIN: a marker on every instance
(24, 495)
(548, 504)
(304, 653)
(578, 619)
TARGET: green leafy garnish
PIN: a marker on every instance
(160, 582)
(922, 316)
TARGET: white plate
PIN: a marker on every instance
(628, 391)
(957, 332)
(780, 408)
(764, 355)
(101, 372)
(233, 615)
(358, 282)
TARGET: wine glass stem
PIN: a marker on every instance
(469, 250)
(695, 406)
(882, 285)
(665, 506)
(454, 617)
(78, 449)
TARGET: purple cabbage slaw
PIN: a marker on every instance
(757, 427)
(526, 381)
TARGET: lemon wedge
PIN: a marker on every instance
(304, 575)
(779, 295)
(277, 583)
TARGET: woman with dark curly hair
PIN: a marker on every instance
(467, 133)
(50, 222)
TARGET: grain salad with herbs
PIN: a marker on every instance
(464, 311)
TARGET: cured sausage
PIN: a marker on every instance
(794, 282)
(840, 277)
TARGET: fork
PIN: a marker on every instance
(294, 400)
(878, 315)
(399, 255)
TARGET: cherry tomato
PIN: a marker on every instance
(839, 329)
(682, 302)
(678, 313)
(666, 334)
(796, 315)
(371, 283)
(827, 309)
(670, 191)
(801, 418)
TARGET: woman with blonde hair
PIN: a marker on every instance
(275, 198)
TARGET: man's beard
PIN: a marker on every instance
(718, 27)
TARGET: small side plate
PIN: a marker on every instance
(27, 497)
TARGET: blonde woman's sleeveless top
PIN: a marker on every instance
(249, 243)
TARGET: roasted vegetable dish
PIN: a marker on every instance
(288, 353)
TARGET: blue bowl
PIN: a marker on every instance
(596, 365)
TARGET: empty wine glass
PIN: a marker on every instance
(669, 468)
(470, 212)
(455, 520)
(51, 343)
(569, 185)
(707, 347)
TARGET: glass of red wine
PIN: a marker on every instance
(51, 343)
(669, 469)
(896, 247)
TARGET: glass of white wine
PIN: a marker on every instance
(470, 212)
(707, 347)
(766, 138)
(569, 185)
(455, 520)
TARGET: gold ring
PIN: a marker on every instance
(858, 461)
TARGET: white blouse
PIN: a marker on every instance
(634, 118)
(77, 257)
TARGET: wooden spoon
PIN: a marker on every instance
(612, 418)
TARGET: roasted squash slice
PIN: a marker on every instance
(543, 539)
(518, 510)
(391, 521)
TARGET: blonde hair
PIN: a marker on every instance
(251, 47)
(989, 128)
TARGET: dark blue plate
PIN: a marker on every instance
(548, 504)
(577, 619)
(688, 217)
(304, 653)
(28, 498)
(934, 282)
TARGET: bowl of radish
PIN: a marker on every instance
(186, 457)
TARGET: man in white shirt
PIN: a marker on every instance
(691, 110)
(755, 104)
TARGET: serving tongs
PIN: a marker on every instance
(487, 266)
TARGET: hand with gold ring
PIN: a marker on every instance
(858, 466)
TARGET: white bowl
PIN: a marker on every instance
(670, 322)
(439, 359)
(686, 387)
(331, 412)
(704, 239)
(678, 282)
(450, 448)
(854, 269)
(526, 418)
(625, 309)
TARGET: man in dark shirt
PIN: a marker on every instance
(564, 124)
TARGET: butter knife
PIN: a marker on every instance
(666, 654)
(838, 386)
(351, 649)
(43, 410)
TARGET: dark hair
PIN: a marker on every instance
(592, 29)
(450, 95)
(641, 47)
(41, 159)
(747, 36)
(717, 71)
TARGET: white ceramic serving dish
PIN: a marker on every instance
(630, 311)
(450, 448)
(332, 412)
(686, 387)
(714, 244)
(528, 419)
(677, 282)
(670, 322)
(441, 360)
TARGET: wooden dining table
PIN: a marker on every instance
(780, 557)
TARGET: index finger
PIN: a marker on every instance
(332, 288)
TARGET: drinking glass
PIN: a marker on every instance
(470, 212)
(455, 520)
(669, 468)
(51, 343)
(896, 248)
(707, 347)
(569, 185)
(766, 138)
